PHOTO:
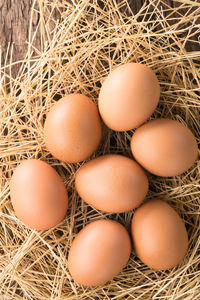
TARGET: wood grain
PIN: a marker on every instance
(14, 27)
(15, 18)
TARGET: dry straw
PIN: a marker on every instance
(78, 51)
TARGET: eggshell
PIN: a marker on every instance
(159, 235)
(112, 183)
(72, 129)
(128, 96)
(38, 195)
(164, 147)
(99, 252)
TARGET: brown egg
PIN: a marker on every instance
(73, 129)
(164, 147)
(128, 96)
(38, 195)
(112, 183)
(159, 235)
(99, 252)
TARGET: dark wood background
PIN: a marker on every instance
(14, 26)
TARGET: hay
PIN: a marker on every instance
(78, 51)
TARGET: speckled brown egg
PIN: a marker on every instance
(159, 235)
(72, 129)
(38, 195)
(128, 96)
(99, 252)
(164, 147)
(112, 183)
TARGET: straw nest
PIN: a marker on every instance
(78, 51)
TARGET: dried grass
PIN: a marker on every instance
(78, 51)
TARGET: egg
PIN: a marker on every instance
(128, 96)
(112, 183)
(164, 147)
(38, 195)
(72, 130)
(159, 235)
(99, 252)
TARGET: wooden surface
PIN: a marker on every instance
(15, 18)
(14, 26)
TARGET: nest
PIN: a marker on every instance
(77, 52)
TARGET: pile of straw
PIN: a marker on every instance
(77, 52)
